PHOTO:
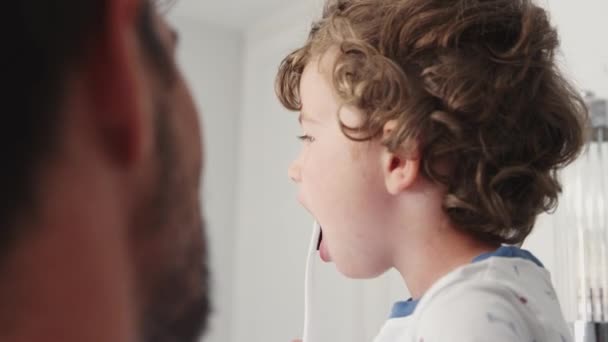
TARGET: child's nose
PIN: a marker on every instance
(294, 172)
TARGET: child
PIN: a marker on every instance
(433, 134)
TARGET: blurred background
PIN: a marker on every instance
(229, 52)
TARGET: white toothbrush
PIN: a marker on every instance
(308, 302)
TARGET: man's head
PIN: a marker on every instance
(101, 147)
(463, 97)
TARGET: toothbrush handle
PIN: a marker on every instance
(308, 302)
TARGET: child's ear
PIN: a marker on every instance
(401, 167)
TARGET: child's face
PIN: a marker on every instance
(341, 181)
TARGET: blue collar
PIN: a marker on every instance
(406, 308)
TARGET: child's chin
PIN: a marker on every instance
(354, 271)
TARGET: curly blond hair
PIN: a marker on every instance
(473, 82)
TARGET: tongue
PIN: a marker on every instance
(323, 252)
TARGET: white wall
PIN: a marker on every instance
(211, 62)
(272, 231)
(583, 30)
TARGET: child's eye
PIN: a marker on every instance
(306, 138)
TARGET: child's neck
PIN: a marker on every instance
(431, 256)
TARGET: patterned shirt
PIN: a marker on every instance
(504, 296)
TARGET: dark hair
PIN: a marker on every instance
(473, 82)
(46, 39)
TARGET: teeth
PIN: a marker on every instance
(320, 238)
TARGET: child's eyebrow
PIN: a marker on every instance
(305, 117)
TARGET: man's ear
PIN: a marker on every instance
(115, 83)
(401, 167)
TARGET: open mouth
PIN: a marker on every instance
(320, 239)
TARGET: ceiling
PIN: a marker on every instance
(229, 14)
